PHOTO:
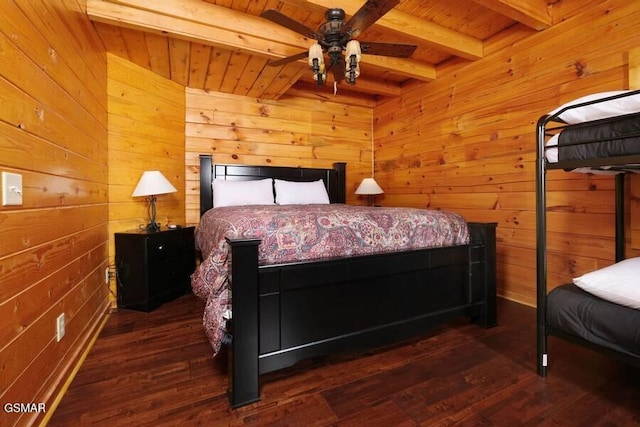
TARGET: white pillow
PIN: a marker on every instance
(237, 193)
(614, 107)
(552, 153)
(618, 283)
(301, 193)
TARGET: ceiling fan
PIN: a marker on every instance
(336, 36)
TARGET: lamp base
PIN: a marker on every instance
(151, 227)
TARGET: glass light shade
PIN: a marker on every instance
(369, 186)
(353, 48)
(315, 52)
(153, 183)
(352, 61)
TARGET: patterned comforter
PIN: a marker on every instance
(308, 232)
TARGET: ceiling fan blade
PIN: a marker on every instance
(388, 49)
(369, 13)
(280, 19)
(283, 61)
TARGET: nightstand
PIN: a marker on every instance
(153, 267)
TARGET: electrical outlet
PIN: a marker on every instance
(60, 327)
(107, 276)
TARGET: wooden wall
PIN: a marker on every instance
(466, 142)
(53, 249)
(146, 132)
(288, 132)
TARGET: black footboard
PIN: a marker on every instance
(286, 313)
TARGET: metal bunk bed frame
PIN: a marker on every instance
(542, 165)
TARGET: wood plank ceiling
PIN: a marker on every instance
(224, 45)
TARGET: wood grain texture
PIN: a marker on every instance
(53, 250)
(230, 45)
(146, 132)
(288, 132)
(458, 374)
(466, 142)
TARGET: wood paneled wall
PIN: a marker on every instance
(53, 248)
(466, 142)
(288, 132)
(146, 132)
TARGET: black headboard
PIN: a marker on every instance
(334, 179)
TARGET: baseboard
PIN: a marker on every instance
(88, 345)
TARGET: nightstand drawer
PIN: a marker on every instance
(164, 246)
(153, 267)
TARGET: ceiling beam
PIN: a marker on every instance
(377, 88)
(423, 31)
(532, 13)
(408, 68)
(202, 22)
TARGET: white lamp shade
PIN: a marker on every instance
(353, 48)
(315, 52)
(153, 183)
(369, 186)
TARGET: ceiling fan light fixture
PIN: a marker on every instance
(353, 48)
(352, 61)
(351, 74)
(335, 38)
(315, 52)
(320, 76)
(316, 62)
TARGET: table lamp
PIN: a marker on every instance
(151, 184)
(369, 187)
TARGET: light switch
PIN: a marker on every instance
(11, 189)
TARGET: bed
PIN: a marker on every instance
(600, 134)
(286, 312)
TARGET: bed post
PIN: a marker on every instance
(341, 185)
(483, 237)
(620, 217)
(206, 191)
(541, 248)
(243, 354)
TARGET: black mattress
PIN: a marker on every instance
(579, 313)
(597, 140)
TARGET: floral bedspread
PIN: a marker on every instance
(306, 232)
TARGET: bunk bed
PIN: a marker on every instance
(286, 312)
(600, 310)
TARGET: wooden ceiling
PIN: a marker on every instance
(224, 45)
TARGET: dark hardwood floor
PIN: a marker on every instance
(156, 369)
